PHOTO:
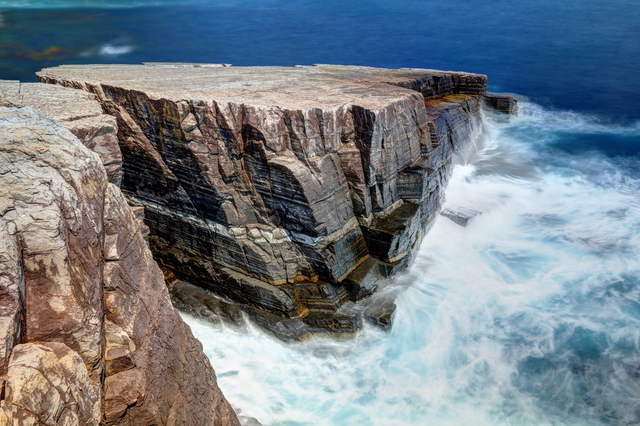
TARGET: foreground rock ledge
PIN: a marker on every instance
(292, 191)
(88, 335)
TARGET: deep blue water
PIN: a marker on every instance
(581, 55)
(530, 315)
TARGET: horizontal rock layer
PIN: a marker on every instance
(88, 335)
(289, 190)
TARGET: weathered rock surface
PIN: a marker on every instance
(88, 334)
(292, 191)
(77, 112)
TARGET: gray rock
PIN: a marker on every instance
(505, 105)
(272, 186)
(460, 215)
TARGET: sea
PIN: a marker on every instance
(530, 315)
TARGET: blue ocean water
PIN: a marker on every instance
(528, 316)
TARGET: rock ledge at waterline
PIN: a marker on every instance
(292, 192)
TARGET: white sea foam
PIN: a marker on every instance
(569, 121)
(529, 315)
(114, 50)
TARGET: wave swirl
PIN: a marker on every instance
(530, 315)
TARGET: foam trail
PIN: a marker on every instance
(114, 50)
(529, 315)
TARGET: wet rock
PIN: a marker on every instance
(366, 279)
(346, 321)
(505, 105)
(379, 312)
(283, 328)
(460, 215)
(390, 237)
(273, 186)
(201, 303)
(89, 335)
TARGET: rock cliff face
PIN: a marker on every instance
(292, 191)
(87, 331)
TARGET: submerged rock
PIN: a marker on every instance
(291, 191)
(460, 215)
(88, 334)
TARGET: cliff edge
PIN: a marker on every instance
(88, 333)
(291, 191)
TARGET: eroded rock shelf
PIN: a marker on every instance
(293, 192)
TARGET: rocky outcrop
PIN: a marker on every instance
(88, 334)
(292, 191)
(460, 215)
(77, 112)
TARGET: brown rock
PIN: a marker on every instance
(88, 333)
(49, 384)
(77, 112)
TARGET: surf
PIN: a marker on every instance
(528, 315)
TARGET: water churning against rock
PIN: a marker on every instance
(528, 315)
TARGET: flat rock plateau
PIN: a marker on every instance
(294, 194)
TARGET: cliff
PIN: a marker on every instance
(291, 191)
(88, 334)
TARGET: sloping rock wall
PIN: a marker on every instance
(289, 190)
(87, 331)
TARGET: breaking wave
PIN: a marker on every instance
(529, 315)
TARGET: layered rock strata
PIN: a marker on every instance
(292, 191)
(88, 335)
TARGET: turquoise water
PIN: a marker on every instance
(528, 316)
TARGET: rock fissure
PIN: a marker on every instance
(33, 414)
